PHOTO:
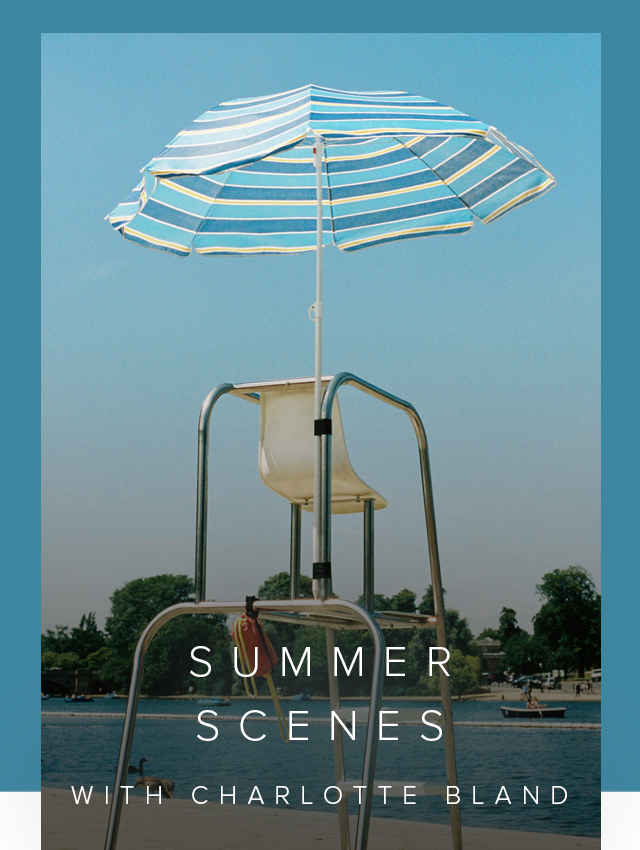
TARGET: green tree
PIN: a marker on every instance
(168, 660)
(494, 634)
(404, 601)
(380, 602)
(87, 637)
(134, 605)
(48, 659)
(297, 638)
(98, 659)
(464, 675)
(524, 653)
(62, 660)
(81, 641)
(284, 634)
(464, 672)
(515, 643)
(317, 684)
(427, 603)
(278, 587)
(568, 623)
(459, 636)
(68, 661)
(508, 626)
(56, 641)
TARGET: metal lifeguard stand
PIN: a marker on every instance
(286, 444)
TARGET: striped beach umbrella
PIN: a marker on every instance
(301, 169)
(241, 178)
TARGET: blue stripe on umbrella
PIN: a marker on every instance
(241, 177)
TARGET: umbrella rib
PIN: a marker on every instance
(428, 168)
(326, 171)
(524, 196)
(213, 200)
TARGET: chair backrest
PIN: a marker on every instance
(287, 451)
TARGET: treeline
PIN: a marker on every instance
(168, 659)
(566, 629)
(465, 666)
(566, 635)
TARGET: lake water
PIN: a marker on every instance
(81, 748)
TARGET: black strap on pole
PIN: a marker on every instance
(322, 569)
(321, 427)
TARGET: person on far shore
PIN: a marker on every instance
(577, 689)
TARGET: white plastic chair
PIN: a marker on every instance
(287, 450)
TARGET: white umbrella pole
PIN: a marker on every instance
(318, 151)
(317, 307)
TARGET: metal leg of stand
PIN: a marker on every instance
(127, 736)
(450, 753)
(298, 605)
(370, 750)
(294, 558)
(338, 752)
(368, 555)
(125, 751)
(445, 689)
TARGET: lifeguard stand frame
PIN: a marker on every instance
(323, 610)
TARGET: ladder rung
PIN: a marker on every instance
(396, 789)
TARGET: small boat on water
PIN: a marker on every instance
(44, 696)
(533, 712)
(214, 701)
(112, 695)
(81, 698)
(300, 697)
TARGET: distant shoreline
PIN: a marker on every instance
(510, 695)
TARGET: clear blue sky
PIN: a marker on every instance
(494, 335)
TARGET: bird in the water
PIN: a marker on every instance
(138, 769)
(166, 786)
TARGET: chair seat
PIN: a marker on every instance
(287, 451)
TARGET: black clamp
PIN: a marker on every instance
(322, 569)
(321, 427)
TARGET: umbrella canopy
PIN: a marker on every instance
(294, 171)
(241, 178)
